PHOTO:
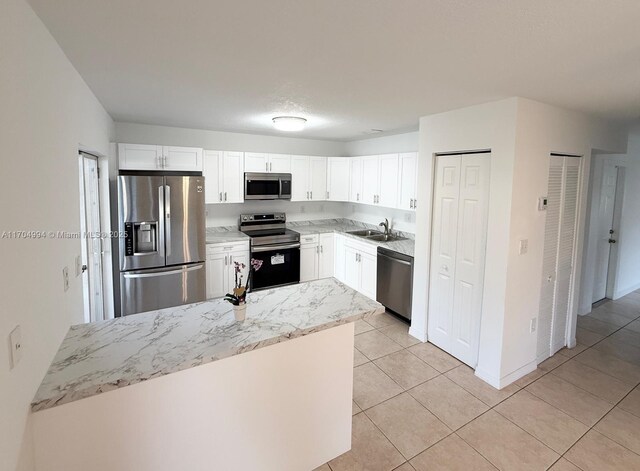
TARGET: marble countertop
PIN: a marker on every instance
(215, 236)
(102, 356)
(405, 246)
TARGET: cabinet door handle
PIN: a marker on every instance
(230, 259)
(159, 163)
(270, 167)
(164, 162)
(220, 196)
(266, 166)
(415, 204)
(322, 249)
(357, 196)
(411, 203)
(318, 249)
(226, 260)
(307, 195)
(311, 195)
(225, 196)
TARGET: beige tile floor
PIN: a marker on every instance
(416, 408)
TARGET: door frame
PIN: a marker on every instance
(431, 243)
(105, 224)
(614, 262)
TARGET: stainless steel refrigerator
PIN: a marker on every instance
(162, 252)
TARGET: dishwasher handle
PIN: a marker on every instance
(397, 260)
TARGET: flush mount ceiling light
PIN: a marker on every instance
(289, 123)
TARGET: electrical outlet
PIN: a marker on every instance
(15, 340)
(533, 324)
(78, 265)
(65, 278)
(302, 209)
(524, 246)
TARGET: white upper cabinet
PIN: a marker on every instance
(408, 180)
(379, 180)
(338, 178)
(139, 157)
(151, 157)
(370, 179)
(212, 172)
(256, 162)
(317, 178)
(308, 178)
(182, 158)
(388, 180)
(279, 163)
(355, 190)
(299, 178)
(271, 163)
(223, 177)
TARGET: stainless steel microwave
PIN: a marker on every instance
(267, 186)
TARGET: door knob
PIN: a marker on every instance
(612, 241)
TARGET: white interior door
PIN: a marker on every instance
(566, 244)
(443, 249)
(549, 260)
(558, 259)
(605, 225)
(473, 207)
(92, 252)
(460, 211)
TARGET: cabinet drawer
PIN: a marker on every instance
(310, 239)
(213, 249)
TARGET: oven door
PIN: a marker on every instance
(280, 265)
(261, 186)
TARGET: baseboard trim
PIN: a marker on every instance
(422, 336)
(505, 381)
(623, 292)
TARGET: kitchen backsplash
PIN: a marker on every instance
(320, 222)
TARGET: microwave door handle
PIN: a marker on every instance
(167, 212)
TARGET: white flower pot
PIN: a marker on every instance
(240, 311)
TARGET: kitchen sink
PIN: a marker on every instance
(377, 236)
(365, 233)
(384, 238)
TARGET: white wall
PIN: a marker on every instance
(218, 140)
(404, 142)
(628, 275)
(47, 112)
(521, 134)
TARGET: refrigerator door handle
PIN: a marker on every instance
(162, 273)
(161, 221)
(167, 212)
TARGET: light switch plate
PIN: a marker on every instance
(15, 339)
(65, 278)
(533, 325)
(78, 265)
(524, 246)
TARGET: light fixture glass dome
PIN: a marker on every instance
(289, 123)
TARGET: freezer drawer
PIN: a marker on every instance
(394, 286)
(147, 290)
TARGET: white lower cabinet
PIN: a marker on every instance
(220, 267)
(317, 256)
(327, 256)
(360, 267)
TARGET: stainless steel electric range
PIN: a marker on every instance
(277, 247)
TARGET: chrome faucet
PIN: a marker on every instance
(385, 224)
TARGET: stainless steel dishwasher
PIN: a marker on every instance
(395, 281)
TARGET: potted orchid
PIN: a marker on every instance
(239, 295)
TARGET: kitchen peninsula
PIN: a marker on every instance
(189, 387)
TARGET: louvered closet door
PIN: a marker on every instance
(560, 233)
(458, 254)
(566, 244)
(550, 257)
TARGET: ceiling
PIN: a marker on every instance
(348, 66)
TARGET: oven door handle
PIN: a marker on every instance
(271, 248)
